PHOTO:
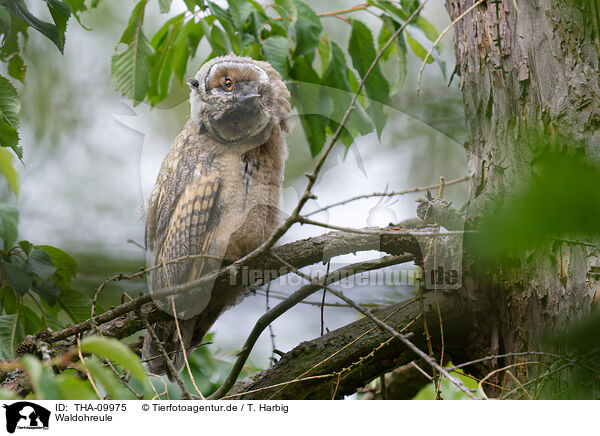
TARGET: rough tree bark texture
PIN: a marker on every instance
(526, 64)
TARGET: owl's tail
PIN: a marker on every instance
(166, 331)
(192, 330)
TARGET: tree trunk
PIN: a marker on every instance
(525, 66)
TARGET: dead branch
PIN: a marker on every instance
(350, 357)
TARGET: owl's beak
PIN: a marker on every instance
(245, 97)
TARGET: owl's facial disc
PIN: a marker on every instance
(236, 96)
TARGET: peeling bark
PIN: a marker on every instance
(534, 68)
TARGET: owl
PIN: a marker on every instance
(217, 195)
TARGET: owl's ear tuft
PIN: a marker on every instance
(193, 83)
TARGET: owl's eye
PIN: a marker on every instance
(228, 84)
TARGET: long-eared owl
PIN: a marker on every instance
(216, 196)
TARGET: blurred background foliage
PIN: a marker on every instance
(77, 159)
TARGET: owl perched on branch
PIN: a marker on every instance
(217, 194)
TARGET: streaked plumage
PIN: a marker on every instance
(217, 192)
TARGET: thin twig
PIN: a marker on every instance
(480, 387)
(178, 329)
(323, 302)
(271, 332)
(291, 301)
(165, 392)
(89, 375)
(439, 38)
(174, 373)
(349, 344)
(385, 194)
(314, 377)
(384, 326)
(500, 356)
(122, 378)
(315, 303)
(400, 232)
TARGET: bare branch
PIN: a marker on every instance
(386, 194)
(340, 351)
(290, 302)
(384, 326)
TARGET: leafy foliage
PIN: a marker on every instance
(291, 36)
(35, 280)
(15, 21)
(35, 287)
(10, 106)
(76, 383)
(130, 68)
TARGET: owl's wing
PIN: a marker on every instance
(188, 232)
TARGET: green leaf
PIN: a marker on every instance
(6, 394)
(30, 320)
(10, 300)
(115, 351)
(362, 51)
(26, 246)
(336, 77)
(314, 127)
(72, 388)
(311, 102)
(47, 290)
(17, 68)
(165, 6)
(76, 304)
(223, 15)
(286, 10)
(40, 263)
(18, 9)
(191, 4)
(240, 10)
(9, 217)
(420, 45)
(428, 28)
(18, 277)
(400, 14)
(76, 5)
(276, 51)
(395, 52)
(60, 14)
(162, 33)
(66, 266)
(410, 5)
(130, 68)
(11, 335)
(10, 174)
(107, 379)
(307, 29)
(184, 46)
(216, 38)
(162, 68)
(10, 107)
(44, 384)
(51, 315)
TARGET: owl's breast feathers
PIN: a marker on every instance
(211, 200)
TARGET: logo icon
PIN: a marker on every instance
(26, 415)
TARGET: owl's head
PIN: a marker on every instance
(239, 100)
